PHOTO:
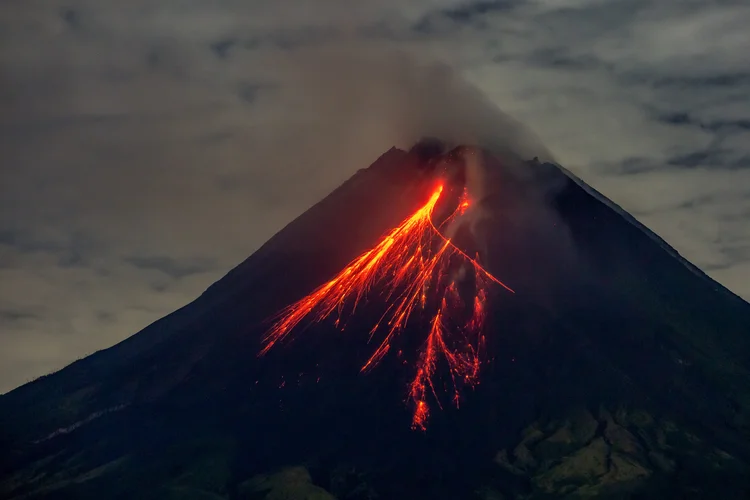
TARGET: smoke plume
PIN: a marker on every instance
(389, 97)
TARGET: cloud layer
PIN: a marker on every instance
(149, 147)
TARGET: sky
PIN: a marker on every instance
(146, 148)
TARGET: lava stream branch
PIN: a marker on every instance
(386, 259)
(410, 272)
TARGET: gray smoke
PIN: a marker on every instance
(374, 97)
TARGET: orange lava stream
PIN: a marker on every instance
(407, 266)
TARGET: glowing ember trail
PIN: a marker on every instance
(412, 267)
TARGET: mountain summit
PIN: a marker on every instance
(447, 324)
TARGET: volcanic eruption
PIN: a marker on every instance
(609, 365)
(413, 266)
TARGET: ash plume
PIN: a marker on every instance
(367, 98)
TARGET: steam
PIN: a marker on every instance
(368, 99)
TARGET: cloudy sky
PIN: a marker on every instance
(148, 147)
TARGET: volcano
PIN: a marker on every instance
(450, 323)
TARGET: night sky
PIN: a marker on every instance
(148, 147)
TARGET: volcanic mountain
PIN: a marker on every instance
(448, 324)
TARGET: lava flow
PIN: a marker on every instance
(413, 266)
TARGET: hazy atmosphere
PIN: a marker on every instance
(149, 147)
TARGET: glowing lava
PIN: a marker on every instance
(413, 266)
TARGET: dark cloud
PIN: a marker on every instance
(712, 158)
(559, 58)
(720, 81)
(106, 316)
(676, 118)
(71, 18)
(636, 165)
(282, 40)
(473, 10)
(737, 254)
(727, 125)
(222, 47)
(716, 158)
(683, 118)
(249, 92)
(171, 267)
(466, 13)
(10, 316)
(27, 242)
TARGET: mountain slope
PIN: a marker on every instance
(615, 370)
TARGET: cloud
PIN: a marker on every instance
(171, 267)
(464, 13)
(149, 147)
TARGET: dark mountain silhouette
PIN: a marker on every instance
(616, 370)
